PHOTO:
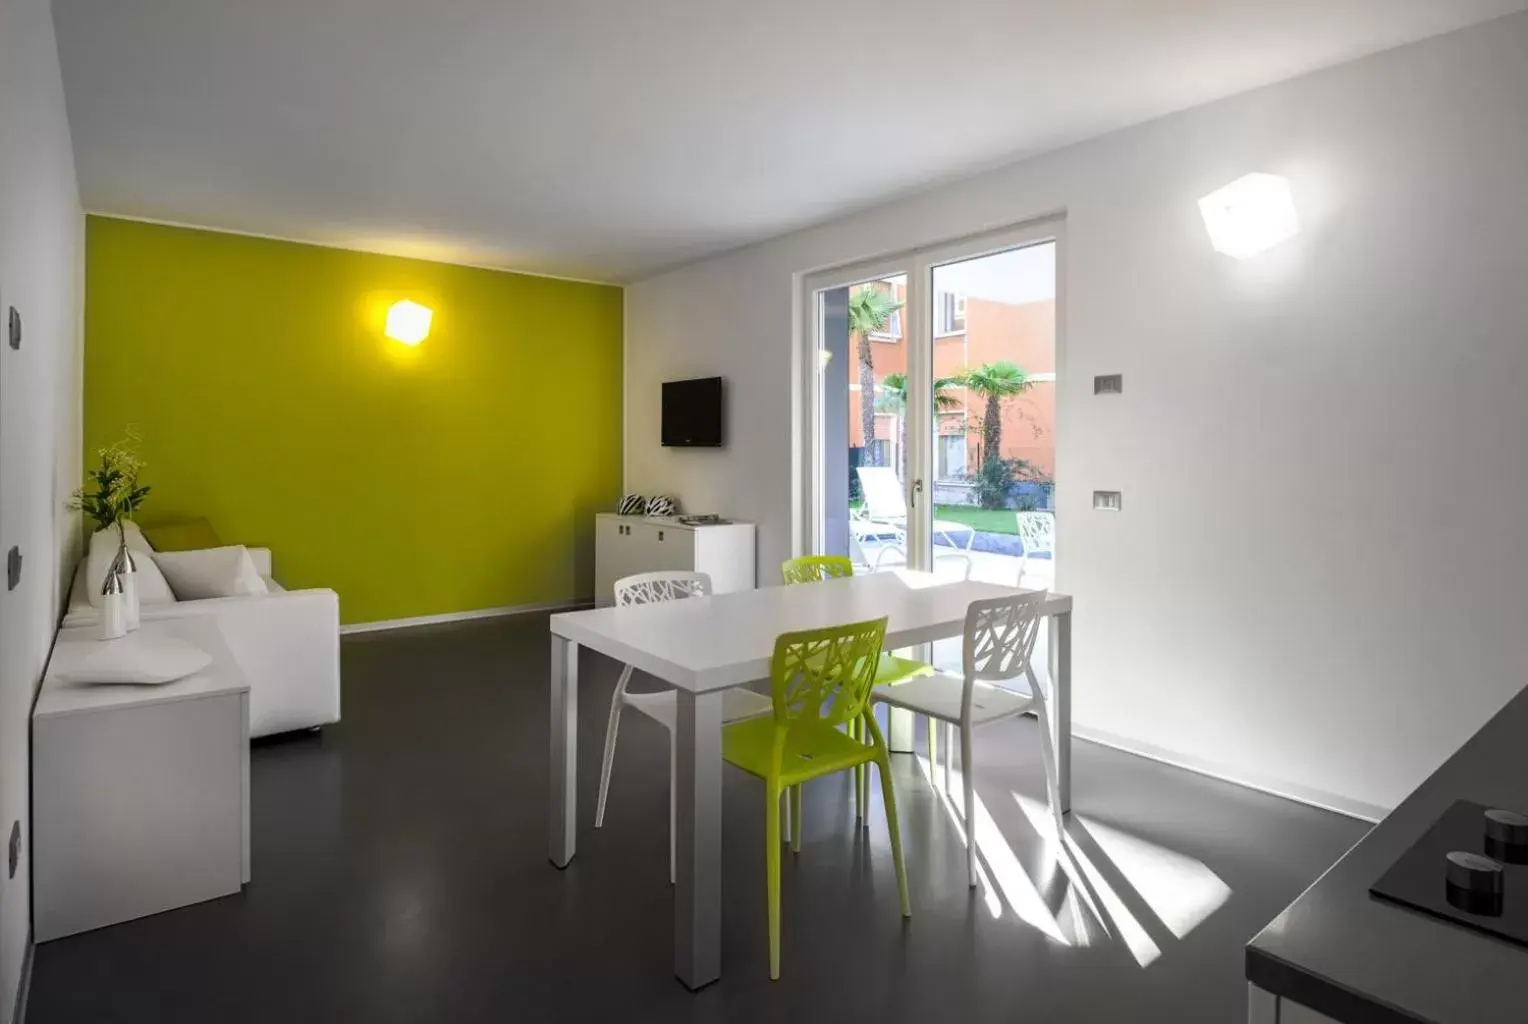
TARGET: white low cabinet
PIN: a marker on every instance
(140, 794)
(624, 545)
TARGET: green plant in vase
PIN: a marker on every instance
(109, 498)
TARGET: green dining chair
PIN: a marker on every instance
(820, 681)
(815, 568)
(891, 671)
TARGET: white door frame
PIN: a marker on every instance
(917, 331)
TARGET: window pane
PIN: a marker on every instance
(877, 381)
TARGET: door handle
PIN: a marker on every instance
(917, 489)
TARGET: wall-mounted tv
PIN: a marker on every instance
(693, 413)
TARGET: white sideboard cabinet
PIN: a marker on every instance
(624, 545)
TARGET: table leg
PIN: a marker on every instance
(1262, 1007)
(564, 732)
(899, 722)
(899, 730)
(698, 885)
(1061, 698)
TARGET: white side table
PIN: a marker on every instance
(140, 794)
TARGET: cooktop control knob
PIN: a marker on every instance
(1507, 827)
(1474, 884)
(1474, 873)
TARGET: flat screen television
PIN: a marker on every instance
(693, 413)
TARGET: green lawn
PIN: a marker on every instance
(985, 520)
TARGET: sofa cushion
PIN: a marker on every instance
(104, 544)
(182, 535)
(211, 572)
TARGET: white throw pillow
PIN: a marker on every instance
(211, 572)
(134, 658)
(104, 544)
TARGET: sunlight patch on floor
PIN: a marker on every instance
(996, 860)
(1180, 891)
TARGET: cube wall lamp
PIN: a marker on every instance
(1250, 215)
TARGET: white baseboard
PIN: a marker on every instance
(1276, 787)
(481, 613)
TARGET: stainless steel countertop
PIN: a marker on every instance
(1359, 959)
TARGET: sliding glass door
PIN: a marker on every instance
(860, 450)
(929, 425)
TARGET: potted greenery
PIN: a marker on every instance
(109, 498)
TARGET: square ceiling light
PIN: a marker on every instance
(408, 322)
(1252, 214)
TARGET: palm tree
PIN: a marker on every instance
(893, 399)
(870, 310)
(994, 382)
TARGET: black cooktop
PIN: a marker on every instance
(1471, 868)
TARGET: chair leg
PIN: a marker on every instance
(1048, 759)
(787, 815)
(673, 805)
(772, 799)
(857, 732)
(948, 751)
(968, 776)
(889, 798)
(796, 817)
(864, 782)
(616, 703)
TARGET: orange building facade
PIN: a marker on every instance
(988, 332)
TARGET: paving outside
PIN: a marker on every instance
(987, 566)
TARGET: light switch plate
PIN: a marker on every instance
(1106, 501)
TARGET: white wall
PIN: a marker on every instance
(1317, 580)
(41, 270)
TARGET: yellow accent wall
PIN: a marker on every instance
(461, 474)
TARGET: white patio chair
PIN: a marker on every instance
(662, 706)
(1037, 531)
(869, 545)
(999, 641)
(884, 503)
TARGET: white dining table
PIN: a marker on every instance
(705, 646)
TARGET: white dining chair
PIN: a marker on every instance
(1037, 531)
(662, 705)
(998, 644)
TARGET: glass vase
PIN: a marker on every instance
(113, 623)
(126, 568)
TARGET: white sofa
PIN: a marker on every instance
(287, 643)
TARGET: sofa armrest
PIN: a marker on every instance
(288, 647)
(262, 559)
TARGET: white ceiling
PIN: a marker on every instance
(609, 138)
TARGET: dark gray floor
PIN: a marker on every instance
(400, 874)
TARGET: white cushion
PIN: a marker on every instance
(134, 658)
(210, 572)
(104, 544)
